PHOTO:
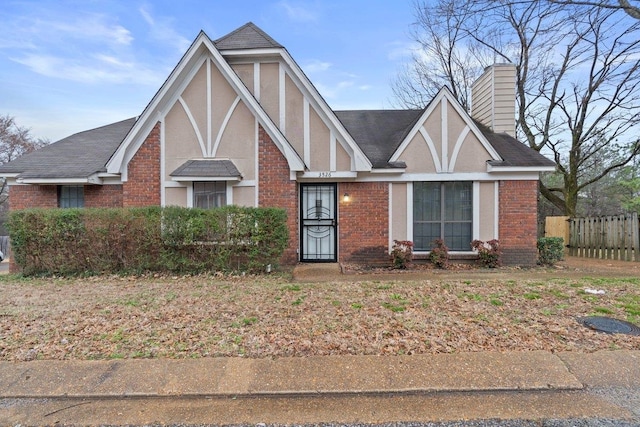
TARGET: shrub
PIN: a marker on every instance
(439, 254)
(76, 241)
(401, 253)
(550, 250)
(489, 253)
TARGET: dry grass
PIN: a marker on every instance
(208, 316)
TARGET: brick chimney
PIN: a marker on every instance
(493, 98)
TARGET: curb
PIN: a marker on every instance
(311, 376)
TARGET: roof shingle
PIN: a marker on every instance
(207, 168)
(249, 36)
(77, 156)
(512, 151)
(378, 132)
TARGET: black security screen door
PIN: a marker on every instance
(319, 225)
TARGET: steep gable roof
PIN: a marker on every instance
(200, 50)
(249, 36)
(506, 152)
(78, 156)
(380, 132)
(249, 41)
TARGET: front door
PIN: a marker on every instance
(319, 223)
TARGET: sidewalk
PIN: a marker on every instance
(557, 383)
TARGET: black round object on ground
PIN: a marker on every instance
(609, 325)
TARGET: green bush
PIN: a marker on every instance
(75, 241)
(550, 250)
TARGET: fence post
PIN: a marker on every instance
(635, 236)
(572, 240)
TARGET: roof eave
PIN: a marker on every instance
(93, 179)
(275, 52)
(9, 174)
(389, 171)
(510, 169)
(206, 178)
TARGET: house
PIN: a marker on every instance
(238, 122)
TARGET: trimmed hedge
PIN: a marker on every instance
(134, 240)
(550, 250)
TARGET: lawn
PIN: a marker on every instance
(271, 316)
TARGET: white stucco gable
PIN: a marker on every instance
(199, 51)
(311, 104)
(445, 127)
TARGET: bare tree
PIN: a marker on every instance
(441, 58)
(577, 84)
(14, 142)
(622, 5)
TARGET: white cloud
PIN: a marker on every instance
(345, 84)
(297, 12)
(85, 27)
(93, 27)
(106, 69)
(334, 90)
(402, 50)
(88, 47)
(161, 29)
(316, 66)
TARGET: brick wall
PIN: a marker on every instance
(277, 190)
(33, 196)
(103, 196)
(143, 175)
(364, 222)
(46, 196)
(518, 222)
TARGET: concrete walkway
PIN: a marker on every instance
(529, 385)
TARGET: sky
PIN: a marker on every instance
(68, 66)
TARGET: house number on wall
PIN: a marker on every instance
(324, 175)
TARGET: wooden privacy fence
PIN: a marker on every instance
(607, 237)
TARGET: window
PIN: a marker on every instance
(442, 210)
(71, 196)
(209, 194)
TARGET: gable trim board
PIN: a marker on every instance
(263, 128)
